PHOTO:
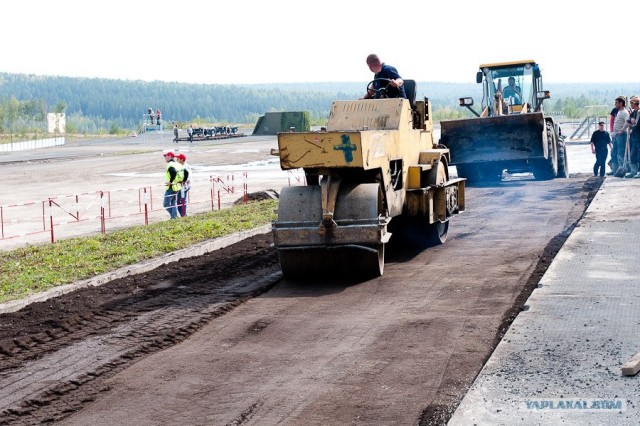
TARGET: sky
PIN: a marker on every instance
(288, 41)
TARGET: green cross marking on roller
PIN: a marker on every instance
(347, 147)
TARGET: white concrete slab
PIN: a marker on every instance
(560, 362)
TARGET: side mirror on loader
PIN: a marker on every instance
(468, 102)
(479, 77)
(541, 96)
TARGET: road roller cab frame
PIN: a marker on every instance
(375, 164)
(511, 132)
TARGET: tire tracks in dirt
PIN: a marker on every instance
(55, 355)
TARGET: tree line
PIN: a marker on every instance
(94, 105)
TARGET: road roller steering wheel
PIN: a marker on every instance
(380, 93)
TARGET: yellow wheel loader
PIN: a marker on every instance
(373, 167)
(511, 132)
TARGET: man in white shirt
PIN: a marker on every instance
(619, 136)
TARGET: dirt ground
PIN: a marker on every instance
(222, 339)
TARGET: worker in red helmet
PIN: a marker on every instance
(172, 182)
(186, 184)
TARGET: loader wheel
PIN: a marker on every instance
(546, 169)
(563, 162)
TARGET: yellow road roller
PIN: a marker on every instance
(374, 169)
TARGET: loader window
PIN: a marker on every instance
(515, 83)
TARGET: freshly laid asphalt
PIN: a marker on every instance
(560, 362)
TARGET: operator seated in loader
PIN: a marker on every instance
(512, 91)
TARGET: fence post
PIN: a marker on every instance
(2, 221)
(103, 226)
(146, 211)
(77, 208)
(213, 192)
(245, 187)
(219, 204)
(51, 220)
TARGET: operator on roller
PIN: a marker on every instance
(383, 73)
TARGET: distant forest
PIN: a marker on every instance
(95, 105)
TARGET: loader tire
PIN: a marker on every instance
(563, 162)
(547, 168)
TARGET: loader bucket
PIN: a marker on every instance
(504, 138)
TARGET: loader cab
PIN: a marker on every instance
(517, 84)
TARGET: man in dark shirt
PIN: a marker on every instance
(600, 140)
(393, 88)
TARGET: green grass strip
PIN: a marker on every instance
(38, 268)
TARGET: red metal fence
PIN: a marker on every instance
(99, 211)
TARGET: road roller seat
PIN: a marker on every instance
(410, 90)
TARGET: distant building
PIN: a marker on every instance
(56, 122)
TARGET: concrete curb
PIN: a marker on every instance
(196, 250)
(580, 327)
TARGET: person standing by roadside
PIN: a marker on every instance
(190, 133)
(175, 133)
(158, 116)
(634, 137)
(612, 118)
(172, 183)
(186, 184)
(619, 136)
(600, 140)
